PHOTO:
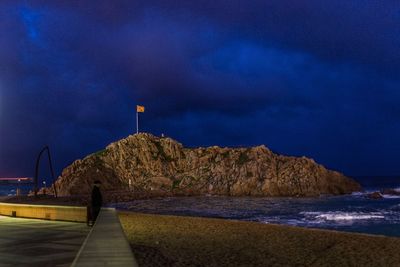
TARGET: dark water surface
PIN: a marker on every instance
(354, 213)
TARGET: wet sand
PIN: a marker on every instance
(159, 240)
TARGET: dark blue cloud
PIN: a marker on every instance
(316, 79)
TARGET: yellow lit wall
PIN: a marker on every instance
(56, 213)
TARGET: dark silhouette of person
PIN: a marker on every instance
(97, 200)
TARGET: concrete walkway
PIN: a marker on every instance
(31, 242)
(106, 244)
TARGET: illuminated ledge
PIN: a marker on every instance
(46, 212)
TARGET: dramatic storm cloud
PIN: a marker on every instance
(314, 78)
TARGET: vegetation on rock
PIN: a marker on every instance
(162, 166)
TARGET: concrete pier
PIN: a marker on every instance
(106, 244)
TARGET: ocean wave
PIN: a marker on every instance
(390, 196)
(358, 194)
(344, 216)
(334, 219)
(6, 193)
(367, 192)
(279, 220)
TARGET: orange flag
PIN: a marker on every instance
(139, 108)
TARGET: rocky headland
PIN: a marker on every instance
(385, 192)
(147, 165)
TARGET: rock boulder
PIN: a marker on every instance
(145, 163)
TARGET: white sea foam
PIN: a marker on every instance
(349, 217)
(363, 194)
(390, 196)
(344, 216)
(294, 222)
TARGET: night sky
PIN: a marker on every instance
(313, 78)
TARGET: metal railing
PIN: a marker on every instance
(45, 149)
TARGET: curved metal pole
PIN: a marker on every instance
(46, 148)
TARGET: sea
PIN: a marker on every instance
(11, 189)
(350, 213)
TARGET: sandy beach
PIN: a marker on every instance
(159, 240)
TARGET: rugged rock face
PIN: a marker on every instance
(390, 191)
(145, 163)
(374, 195)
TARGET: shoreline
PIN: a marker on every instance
(82, 201)
(167, 240)
(164, 240)
(114, 197)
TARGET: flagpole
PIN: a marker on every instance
(137, 122)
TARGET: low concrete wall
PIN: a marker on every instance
(47, 212)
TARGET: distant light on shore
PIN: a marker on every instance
(16, 179)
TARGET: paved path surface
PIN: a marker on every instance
(106, 244)
(29, 242)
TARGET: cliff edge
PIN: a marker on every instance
(146, 163)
